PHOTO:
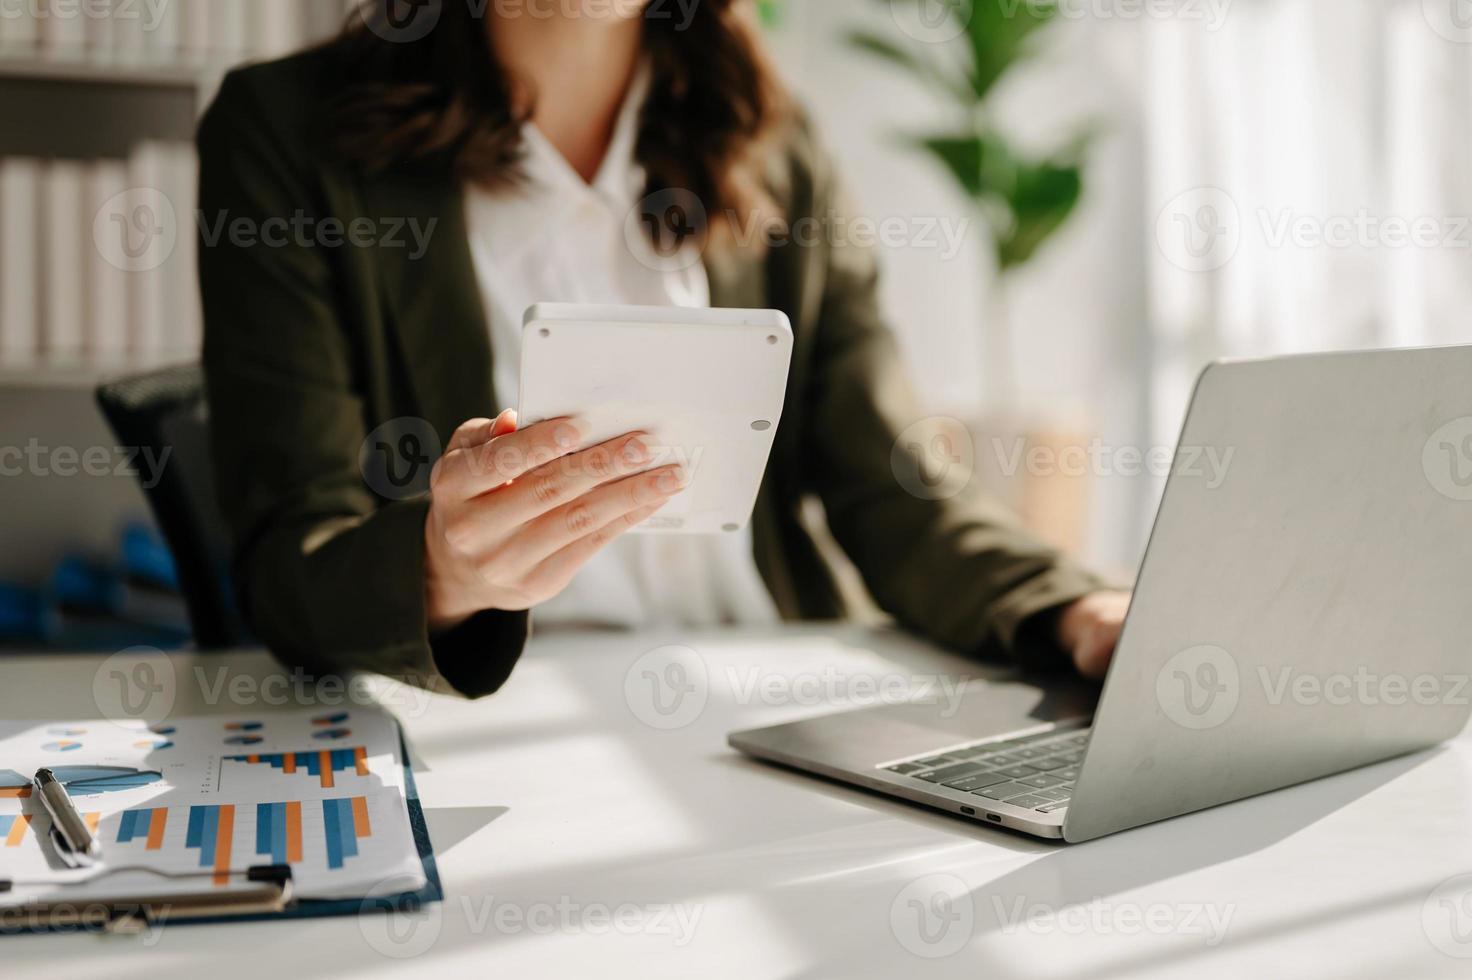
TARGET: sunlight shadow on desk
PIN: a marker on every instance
(1077, 874)
(449, 825)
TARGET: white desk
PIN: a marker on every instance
(553, 807)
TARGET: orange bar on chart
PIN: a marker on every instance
(324, 761)
(156, 829)
(15, 792)
(361, 827)
(360, 758)
(288, 763)
(92, 819)
(223, 834)
(294, 832)
(18, 830)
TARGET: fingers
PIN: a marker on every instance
(565, 480)
(589, 514)
(1096, 648)
(553, 574)
(478, 431)
(483, 458)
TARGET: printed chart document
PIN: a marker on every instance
(179, 805)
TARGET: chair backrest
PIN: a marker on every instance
(165, 411)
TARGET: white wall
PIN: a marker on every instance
(1078, 309)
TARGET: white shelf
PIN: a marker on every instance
(46, 375)
(40, 67)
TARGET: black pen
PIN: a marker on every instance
(65, 820)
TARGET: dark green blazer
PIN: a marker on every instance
(311, 344)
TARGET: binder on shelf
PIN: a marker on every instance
(20, 272)
(64, 30)
(20, 31)
(149, 172)
(66, 230)
(109, 302)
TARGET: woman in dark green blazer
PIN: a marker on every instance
(341, 300)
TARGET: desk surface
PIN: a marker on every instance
(576, 837)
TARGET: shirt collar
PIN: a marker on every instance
(620, 179)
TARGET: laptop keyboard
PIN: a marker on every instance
(1036, 772)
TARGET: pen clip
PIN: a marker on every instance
(74, 860)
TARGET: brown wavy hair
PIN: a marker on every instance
(442, 100)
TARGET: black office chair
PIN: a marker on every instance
(166, 408)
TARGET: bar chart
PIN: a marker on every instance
(323, 763)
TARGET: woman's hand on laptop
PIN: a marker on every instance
(1089, 629)
(514, 513)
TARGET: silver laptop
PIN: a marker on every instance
(1302, 609)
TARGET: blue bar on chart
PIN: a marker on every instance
(343, 822)
(144, 824)
(211, 829)
(279, 831)
(321, 763)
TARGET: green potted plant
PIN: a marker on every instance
(962, 50)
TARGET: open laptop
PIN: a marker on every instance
(1302, 609)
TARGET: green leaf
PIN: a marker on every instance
(1041, 200)
(1000, 33)
(962, 156)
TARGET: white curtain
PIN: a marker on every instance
(1319, 154)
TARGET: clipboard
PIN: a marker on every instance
(271, 895)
